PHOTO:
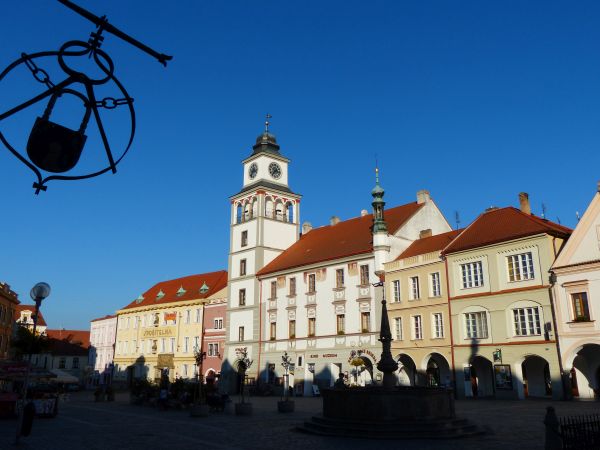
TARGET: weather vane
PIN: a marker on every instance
(52, 147)
(267, 123)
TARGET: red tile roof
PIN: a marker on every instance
(503, 224)
(68, 342)
(104, 318)
(347, 238)
(429, 244)
(215, 281)
(31, 308)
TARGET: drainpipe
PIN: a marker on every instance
(451, 332)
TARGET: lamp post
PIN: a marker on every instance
(38, 293)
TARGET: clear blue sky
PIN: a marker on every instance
(475, 101)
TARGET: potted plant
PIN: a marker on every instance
(243, 363)
(286, 405)
(199, 407)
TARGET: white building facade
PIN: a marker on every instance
(576, 293)
(103, 333)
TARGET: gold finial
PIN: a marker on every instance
(267, 123)
(376, 170)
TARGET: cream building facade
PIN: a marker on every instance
(577, 305)
(159, 331)
(417, 304)
(499, 288)
(103, 333)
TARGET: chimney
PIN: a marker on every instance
(423, 196)
(364, 212)
(524, 202)
(334, 220)
(306, 227)
(425, 233)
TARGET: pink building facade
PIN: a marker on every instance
(213, 342)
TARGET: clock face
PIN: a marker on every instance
(275, 170)
(253, 170)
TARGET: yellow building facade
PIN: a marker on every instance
(158, 332)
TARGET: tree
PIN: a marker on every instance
(243, 363)
(25, 343)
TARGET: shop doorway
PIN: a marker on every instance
(482, 377)
(536, 377)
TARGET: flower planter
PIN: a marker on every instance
(199, 410)
(285, 406)
(243, 409)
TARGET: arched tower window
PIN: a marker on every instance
(290, 212)
(279, 210)
(238, 213)
(269, 212)
(255, 207)
(247, 211)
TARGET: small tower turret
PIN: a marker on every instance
(381, 245)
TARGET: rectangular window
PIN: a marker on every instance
(242, 267)
(365, 322)
(188, 316)
(244, 238)
(520, 267)
(273, 289)
(527, 321)
(185, 370)
(398, 328)
(135, 321)
(218, 323)
(417, 327)
(341, 324)
(415, 292)
(133, 346)
(436, 287)
(273, 331)
(364, 275)
(163, 347)
(196, 343)
(186, 344)
(312, 283)
(476, 325)
(339, 278)
(437, 322)
(172, 345)
(75, 363)
(216, 349)
(472, 275)
(242, 297)
(581, 309)
(62, 362)
(311, 326)
(396, 287)
(292, 329)
(241, 334)
(292, 286)
(198, 314)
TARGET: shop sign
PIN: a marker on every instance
(503, 376)
(165, 360)
(361, 352)
(313, 356)
(158, 332)
(330, 355)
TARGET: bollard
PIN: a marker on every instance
(553, 438)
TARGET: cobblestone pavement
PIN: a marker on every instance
(83, 424)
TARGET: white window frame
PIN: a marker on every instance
(471, 274)
(435, 283)
(417, 327)
(186, 344)
(396, 291)
(437, 325)
(522, 267)
(525, 323)
(398, 328)
(475, 326)
(415, 288)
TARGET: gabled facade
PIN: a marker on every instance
(24, 317)
(158, 332)
(499, 288)
(577, 305)
(417, 304)
(318, 302)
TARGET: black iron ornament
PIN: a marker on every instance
(52, 147)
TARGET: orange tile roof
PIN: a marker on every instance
(503, 224)
(347, 238)
(429, 244)
(191, 284)
(80, 338)
(31, 308)
(109, 316)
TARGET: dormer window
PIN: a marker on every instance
(204, 289)
(181, 291)
(160, 295)
(140, 299)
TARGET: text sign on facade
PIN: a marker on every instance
(158, 332)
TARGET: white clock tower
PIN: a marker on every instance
(264, 222)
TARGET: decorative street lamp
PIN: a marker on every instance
(52, 147)
(38, 293)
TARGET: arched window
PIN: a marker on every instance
(247, 212)
(279, 211)
(255, 207)
(290, 213)
(238, 214)
(269, 207)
